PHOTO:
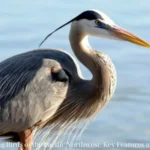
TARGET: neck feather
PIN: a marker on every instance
(86, 98)
(97, 64)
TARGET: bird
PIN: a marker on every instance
(45, 88)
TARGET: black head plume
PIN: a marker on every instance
(89, 15)
(55, 31)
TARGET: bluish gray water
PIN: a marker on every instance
(23, 24)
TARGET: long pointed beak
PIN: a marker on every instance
(125, 35)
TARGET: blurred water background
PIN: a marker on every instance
(126, 119)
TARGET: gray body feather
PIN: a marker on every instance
(31, 99)
(27, 91)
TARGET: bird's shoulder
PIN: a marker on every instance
(34, 59)
(23, 68)
(37, 79)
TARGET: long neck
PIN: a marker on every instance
(85, 98)
(100, 83)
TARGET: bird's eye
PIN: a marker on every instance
(98, 22)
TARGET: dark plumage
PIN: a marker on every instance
(89, 15)
(18, 74)
(60, 75)
(11, 137)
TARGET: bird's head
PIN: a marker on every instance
(96, 23)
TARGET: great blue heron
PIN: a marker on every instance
(45, 87)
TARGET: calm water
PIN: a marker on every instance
(23, 24)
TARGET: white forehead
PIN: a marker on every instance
(104, 16)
